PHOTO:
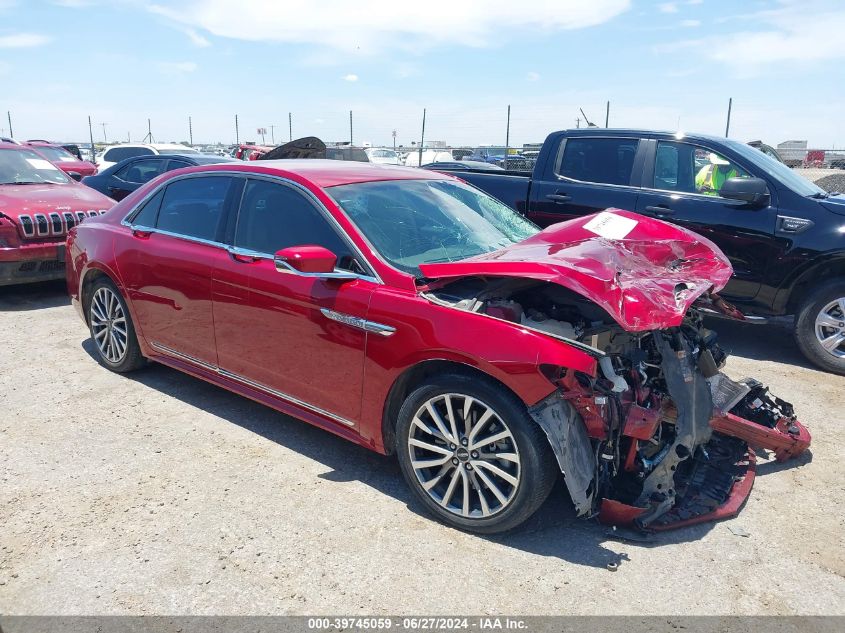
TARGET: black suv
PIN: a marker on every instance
(784, 235)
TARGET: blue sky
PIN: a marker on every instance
(665, 65)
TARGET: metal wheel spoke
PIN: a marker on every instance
(508, 457)
(465, 504)
(119, 330)
(436, 479)
(468, 402)
(438, 422)
(502, 474)
(826, 320)
(501, 435)
(450, 416)
(832, 342)
(841, 303)
(99, 335)
(450, 491)
(423, 426)
(429, 463)
(492, 487)
(480, 423)
(482, 499)
(430, 447)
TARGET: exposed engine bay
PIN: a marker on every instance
(659, 437)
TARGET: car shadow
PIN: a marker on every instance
(768, 342)
(24, 297)
(554, 531)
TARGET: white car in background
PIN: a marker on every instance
(116, 153)
(428, 156)
(382, 156)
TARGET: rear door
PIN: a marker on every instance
(678, 187)
(587, 174)
(175, 244)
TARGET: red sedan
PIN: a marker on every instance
(411, 313)
(63, 159)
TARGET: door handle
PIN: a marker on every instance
(141, 233)
(559, 198)
(659, 210)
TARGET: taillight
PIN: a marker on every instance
(8, 234)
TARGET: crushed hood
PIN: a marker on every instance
(644, 272)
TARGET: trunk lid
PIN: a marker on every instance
(644, 272)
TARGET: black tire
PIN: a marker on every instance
(535, 469)
(130, 357)
(805, 326)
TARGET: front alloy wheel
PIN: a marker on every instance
(820, 326)
(830, 327)
(472, 455)
(464, 456)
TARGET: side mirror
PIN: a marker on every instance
(753, 191)
(309, 261)
(75, 175)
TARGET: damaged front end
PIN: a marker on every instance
(659, 437)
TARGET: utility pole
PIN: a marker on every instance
(237, 134)
(350, 127)
(507, 137)
(578, 122)
(273, 134)
(290, 127)
(9, 116)
(105, 140)
(422, 139)
(91, 136)
(190, 132)
(394, 140)
(607, 116)
(728, 124)
(149, 132)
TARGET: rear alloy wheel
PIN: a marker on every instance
(112, 329)
(820, 327)
(473, 455)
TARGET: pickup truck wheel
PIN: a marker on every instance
(820, 327)
(111, 328)
(472, 455)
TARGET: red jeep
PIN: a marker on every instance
(63, 159)
(39, 203)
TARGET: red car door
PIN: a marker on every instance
(167, 262)
(292, 337)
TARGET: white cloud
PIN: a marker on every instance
(694, 1)
(173, 68)
(73, 4)
(798, 31)
(23, 40)
(532, 76)
(374, 25)
(690, 23)
(350, 77)
(197, 39)
(668, 7)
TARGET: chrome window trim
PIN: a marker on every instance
(31, 231)
(561, 149)
(251, 383)
(321, 208)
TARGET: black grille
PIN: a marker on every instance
(27, 226)
(56, 223)
(41, 223)
(70, 220)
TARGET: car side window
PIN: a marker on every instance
(193, 207)
(600, 160)
(117, 154)
(275, 216)
(177, 164)
(146, 216)
(692, 169)
(141, 171)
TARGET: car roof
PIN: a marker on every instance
(329, 173)
(616, 131)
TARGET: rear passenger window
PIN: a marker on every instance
(193, 207)
(117, 154)
(602, 160)
(141, 171)
(149, 212)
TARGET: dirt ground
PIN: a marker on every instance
(159, 493)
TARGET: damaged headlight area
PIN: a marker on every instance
(659, 438)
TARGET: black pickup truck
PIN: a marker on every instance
(784, 235)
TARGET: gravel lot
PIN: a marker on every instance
(159, 493)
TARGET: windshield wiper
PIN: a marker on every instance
(820, 196)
